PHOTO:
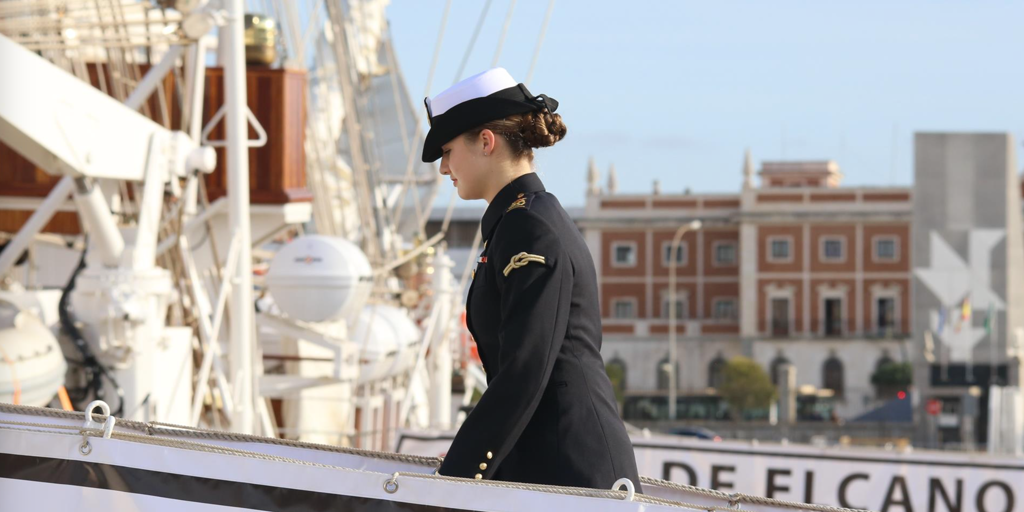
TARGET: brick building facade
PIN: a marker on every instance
(799, 269)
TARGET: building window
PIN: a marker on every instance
(776, 369)
(624, 308)
(833, 317)
(667, 251)
(624, 254)
(780, 317)
(832, 250)
(724, 309)
(885, 311)
(716, 372)
(682, 312)
(832, 375)
(725, 254)
(886, 249)
(779, 249)
(664, 373)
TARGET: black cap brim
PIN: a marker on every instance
(472, 113)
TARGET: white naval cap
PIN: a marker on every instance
(483, 97)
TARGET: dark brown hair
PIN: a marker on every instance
(523, 132)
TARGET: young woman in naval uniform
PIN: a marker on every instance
(549, 414)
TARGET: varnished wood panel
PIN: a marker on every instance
(64, 223)
(277, 171)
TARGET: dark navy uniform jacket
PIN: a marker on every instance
(549, 414)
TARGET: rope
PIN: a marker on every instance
(389, 53)
(540, 41)
(40, 425)
(504, 32)
(472, 41)
(556, 489)
(437, 47)
(172, 430)
(419, 126)
(214, 435)
(708, 493)
(740, 497)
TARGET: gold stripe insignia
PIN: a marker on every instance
(522, 259)
(518, 203)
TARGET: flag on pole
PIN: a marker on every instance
(964, 318)
(942, 319)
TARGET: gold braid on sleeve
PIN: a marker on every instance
(522, 259)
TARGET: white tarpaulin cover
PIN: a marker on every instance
(862, 478)
(50, 460)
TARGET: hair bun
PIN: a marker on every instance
(541, 129)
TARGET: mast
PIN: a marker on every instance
(242, 345)
(366, 192)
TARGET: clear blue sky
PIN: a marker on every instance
(677, 90)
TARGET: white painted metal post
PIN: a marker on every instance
(672, 377)
(104, 236)
(441, 354)
(195, 76)
(242, 343)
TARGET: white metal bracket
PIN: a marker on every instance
(630, 489)
(340, 349)
(107, 426)
(261, 134)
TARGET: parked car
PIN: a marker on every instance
(698, 432)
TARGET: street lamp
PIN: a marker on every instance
(690, 226)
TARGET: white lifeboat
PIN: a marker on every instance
(388, 341)
(32, 366)
(317, 278)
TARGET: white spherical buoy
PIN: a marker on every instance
(388, 341)
(317, 278)
(32, 365)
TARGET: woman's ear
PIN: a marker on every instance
(487, 140)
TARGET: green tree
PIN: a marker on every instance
(891, 378)
(892, 375)
(746, 386)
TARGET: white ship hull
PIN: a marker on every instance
(48, 461)
(861, 478)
